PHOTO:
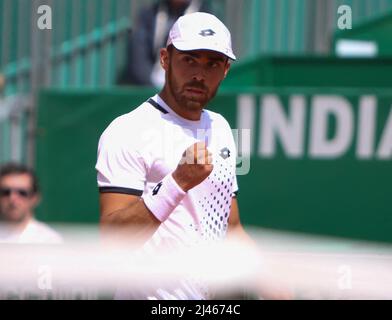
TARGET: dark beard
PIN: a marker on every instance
(185, 102)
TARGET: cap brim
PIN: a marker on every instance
(183, 46)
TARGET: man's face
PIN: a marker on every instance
(17, 200)
(194, 76)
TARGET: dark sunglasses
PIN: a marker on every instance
(6, 192)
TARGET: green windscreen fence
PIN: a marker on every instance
(311, 71)
(314, 160)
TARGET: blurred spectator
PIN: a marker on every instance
(148, 36)
(19, 195)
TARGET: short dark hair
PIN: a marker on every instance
(170, 47)
(17, 168)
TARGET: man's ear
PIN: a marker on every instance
(36, 199)
(227, 68)
(164, 58)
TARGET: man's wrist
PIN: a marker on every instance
(164, 198)
(180, 183)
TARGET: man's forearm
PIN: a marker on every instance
(135, 222)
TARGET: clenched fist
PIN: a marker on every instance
(194, 167)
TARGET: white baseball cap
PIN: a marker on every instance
(201, 31)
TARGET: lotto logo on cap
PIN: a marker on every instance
(201, 31)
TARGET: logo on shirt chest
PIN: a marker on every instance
(225, 153)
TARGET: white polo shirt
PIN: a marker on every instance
(35, 232)
(140, 148)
